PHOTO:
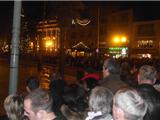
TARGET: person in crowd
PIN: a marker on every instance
(13, 105)
(89, 73)
(38, 105)
(32, 84)
(75, 103)
(79, 74)
(124, 71)
(100, 102)
(111, 75)
(89, 80)
(69, 114)
(131, 78)
(147, 75)
(128, 105)
(56, 88)
(152, 97)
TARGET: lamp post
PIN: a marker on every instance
(120, 39)
(15, 48)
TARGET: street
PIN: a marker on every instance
(27, 69)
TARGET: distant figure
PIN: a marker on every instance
(100, 102)
(111, 76)
(128, 105)
(32, 84)
(56, 88)
(13, 105)
(38, 105)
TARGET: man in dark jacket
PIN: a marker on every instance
(111, 76)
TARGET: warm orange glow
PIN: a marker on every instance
(124, 39)
(116, 39)
(49, 44)
(54, 38)
(31, 45)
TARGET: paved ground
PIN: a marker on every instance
(26, 70)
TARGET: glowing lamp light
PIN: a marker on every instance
(123, 39)
(54, 38)
(31, 45)
(116, 39)
(49, 43)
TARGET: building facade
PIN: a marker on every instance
(116, 34)
(146, 39)
(142, 37)
(48, 36)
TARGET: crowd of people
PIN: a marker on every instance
(126, 92)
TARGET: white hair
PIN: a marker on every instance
(131, 103)
(100, 100)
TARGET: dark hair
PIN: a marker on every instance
(91, 83)
(32, 83)
(152, 98)
(75, 98)
(112, 66)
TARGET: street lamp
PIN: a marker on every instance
(123, 39)
(116, 39)
(120, 39)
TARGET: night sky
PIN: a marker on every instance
(144, 10)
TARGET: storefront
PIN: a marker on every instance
(117, 52)
(80, 50)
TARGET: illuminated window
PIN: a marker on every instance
(145, 43)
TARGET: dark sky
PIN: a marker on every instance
(143, 9)
(34, 10)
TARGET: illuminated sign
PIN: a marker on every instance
(118, 48)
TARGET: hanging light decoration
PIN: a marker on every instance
(83, 22)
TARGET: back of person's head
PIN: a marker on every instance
(74, 97)
(13, 105)
(40, 100)
(100, 100)
(69, 114)
(112, 66)
(57, 84)
(152, 98)
(32, 83)
(147, 74)
(55, 76)
(129, 105)
(91, 83)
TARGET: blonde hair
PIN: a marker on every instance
(13, 105)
